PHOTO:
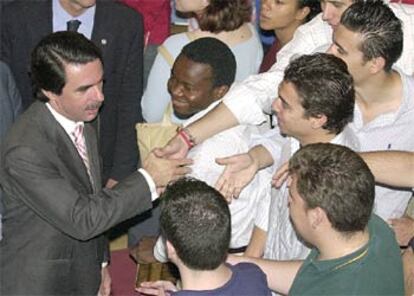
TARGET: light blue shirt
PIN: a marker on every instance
(61, 17)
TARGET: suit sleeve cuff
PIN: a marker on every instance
(151, 184)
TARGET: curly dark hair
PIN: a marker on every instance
(225, 15)
(325, 87)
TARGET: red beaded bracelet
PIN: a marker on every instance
(185, 135)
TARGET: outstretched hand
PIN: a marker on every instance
(239, 172)
(281, 175)
(159, 288)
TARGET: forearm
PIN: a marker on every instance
(217, 120)
(395, 168)
(257, 243)
(261, 156)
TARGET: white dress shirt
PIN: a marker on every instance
(243, 209)
(247, 99)
(282, 242)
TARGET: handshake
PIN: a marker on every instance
(167, 164)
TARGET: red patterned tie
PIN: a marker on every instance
(81, 147)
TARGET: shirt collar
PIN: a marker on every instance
(201, 113)
(61, 16)
(67, 124)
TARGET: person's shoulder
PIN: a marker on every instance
(250, 279)
(175, 43)
(381, 232)
(119, 9)
(10, 9)
(247, 268)
(28, 127)
(15, 4)
(176, 39)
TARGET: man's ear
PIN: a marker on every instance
(50, 95)
(317, 217)
(302, 13)
(170, 249)
(376, 65)
(220, 91)
(318, 121)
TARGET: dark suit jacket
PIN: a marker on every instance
(118, 32)
(54, 219)
(10, 106)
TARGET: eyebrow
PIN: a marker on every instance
(283, 100)
(85, 87)
(339, 46)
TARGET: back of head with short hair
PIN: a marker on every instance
(336, 179)
(52, 53)
(195, 219)
(217, 55)
(325, 87)
(380, 28)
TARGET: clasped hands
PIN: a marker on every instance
(168, 163)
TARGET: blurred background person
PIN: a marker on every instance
(283, 18)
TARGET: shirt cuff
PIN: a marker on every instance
(151, 184)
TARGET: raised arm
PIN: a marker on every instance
(395, 168)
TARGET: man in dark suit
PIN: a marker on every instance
(10, 107)
(118, 31)
(55, 210)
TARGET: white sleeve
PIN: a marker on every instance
(160, 251)
(248, 99)
(272, 141)
(405, 12)
(261, 220)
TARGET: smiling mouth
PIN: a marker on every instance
(178, 102)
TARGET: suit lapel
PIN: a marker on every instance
(93, 155)
(66, 150)
(102, 33)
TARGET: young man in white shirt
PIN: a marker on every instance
(200, 77)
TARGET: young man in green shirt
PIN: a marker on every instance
(330, 202)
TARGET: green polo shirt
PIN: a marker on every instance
(375, 269)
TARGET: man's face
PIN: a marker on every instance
(298, 210)
(332, 11)
(82, 95)
(290, 113)
(82, 3)
(346, 47)
(190, 86)
(276, 14)
(77, 7)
